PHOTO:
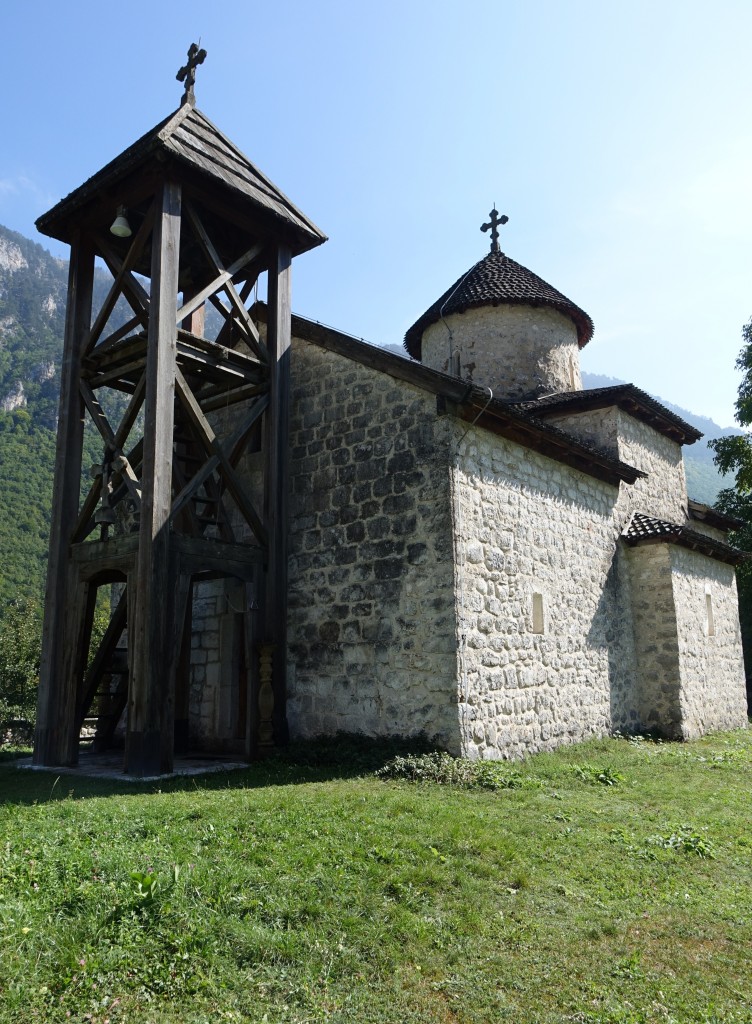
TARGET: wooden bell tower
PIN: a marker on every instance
(182, 219)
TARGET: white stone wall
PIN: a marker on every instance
(372, 633)
(599, 427)
(526, 525)
(656, 640)
(712, 694)
(515, 350)
(417, 548)
(663, 493)
(708, 531)
(217, 670)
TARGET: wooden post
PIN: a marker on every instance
(56, 740)
(150, 739)
(277, 479)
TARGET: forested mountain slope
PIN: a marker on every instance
(33, 287)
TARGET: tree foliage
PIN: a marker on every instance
(734, 455)
(20, 644)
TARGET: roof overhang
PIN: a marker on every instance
(468, 402)
(643, 529)
(185, 146)
(627, 397)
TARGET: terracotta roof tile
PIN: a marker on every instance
(498, 280)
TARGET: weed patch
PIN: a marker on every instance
(443, 769)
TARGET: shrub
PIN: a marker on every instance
(442, 768)
(20, 646)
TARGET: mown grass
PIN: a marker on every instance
(608, 882)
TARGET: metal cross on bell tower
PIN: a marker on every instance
(493, 227)
(188, 72)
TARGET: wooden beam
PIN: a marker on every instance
(212, 446)
(102, 656)
(122, 332)
(56, 740)
(149, 741)
(132, 289)
(254, 268)
(230, 396)
(276, 480)
(108, 435)
(214, 286)
(227, 286)
(233, 449)
(126, 267)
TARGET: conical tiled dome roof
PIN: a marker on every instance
(493, 281)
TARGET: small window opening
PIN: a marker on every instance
(709, 617)
(456, 367)
(538, 624)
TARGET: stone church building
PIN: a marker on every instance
(477, 549)
(482, 551)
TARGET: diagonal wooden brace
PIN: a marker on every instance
(212, 446)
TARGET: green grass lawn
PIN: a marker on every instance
(610, 881)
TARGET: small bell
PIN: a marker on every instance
(120, 225)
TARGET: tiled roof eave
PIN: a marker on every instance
(713, 517)
(497, 280)
(644, 530)
(163, 145)
(627, 397)
(469, 402)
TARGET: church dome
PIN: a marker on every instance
(497, 280)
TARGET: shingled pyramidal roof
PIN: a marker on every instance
(189, 139)
(496, 280)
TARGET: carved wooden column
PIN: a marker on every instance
(149, 744)
(56, 740)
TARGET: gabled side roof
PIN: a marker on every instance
(189, 138)
(627, 397)
(469, 402)
(712, 516)
(644, 529)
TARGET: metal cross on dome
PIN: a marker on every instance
(493, 227)
(188, 72)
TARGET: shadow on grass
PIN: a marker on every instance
(339, 757)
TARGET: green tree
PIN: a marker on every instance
(733, 454)
(20, 648)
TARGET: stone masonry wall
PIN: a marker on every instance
(656, 639)
(709, 531)
(663, 493)
(216, 672)
(372, 633)
(528, 526)
(712, 694)
(599, 427)
(535, 617)
(515, 350)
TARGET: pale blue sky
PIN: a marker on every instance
(615, 136)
